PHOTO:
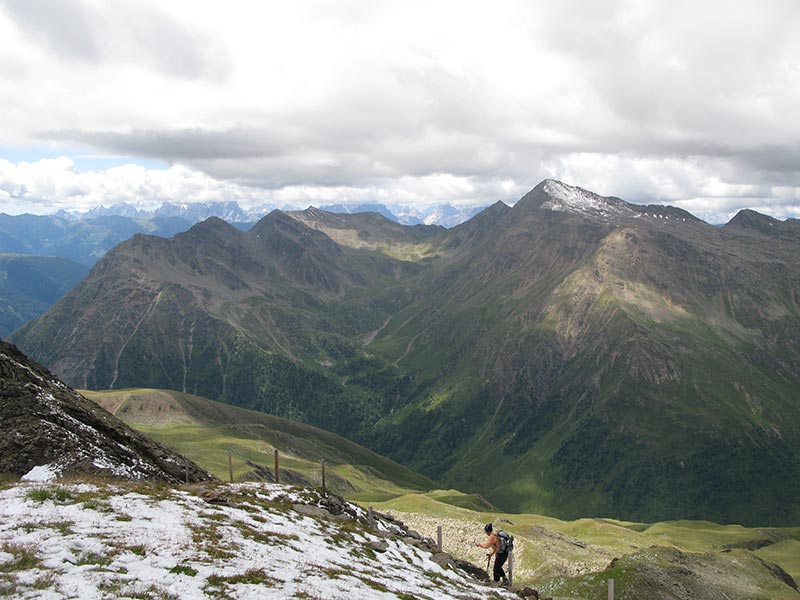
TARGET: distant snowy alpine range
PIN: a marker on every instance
(446, 215)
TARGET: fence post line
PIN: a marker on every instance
(511, 568)
(439, 538)
(324, 485)
(610, 589)
(277, 477)
(371, 516)
(230, 464)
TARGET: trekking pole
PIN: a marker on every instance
(488, 562)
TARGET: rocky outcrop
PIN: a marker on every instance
(47, 426)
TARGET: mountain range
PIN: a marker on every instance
(447, 215)
(573, 354)
(86, 236)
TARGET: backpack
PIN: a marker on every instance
(506, 540)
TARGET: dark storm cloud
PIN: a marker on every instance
(186, 145)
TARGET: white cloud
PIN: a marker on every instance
(430, 100)
(51, 184)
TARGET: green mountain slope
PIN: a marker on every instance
(29, 285)
(633, 366)
(206, 431)
(572, 355)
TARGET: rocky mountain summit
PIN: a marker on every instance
(49, 430)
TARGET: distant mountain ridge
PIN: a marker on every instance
(29, 285)
(83, 241)
(86, 236)
(447, 215)
(573, 354)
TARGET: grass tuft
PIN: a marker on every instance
(56, 494)
(183, 570)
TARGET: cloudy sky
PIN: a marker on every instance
(692, 103)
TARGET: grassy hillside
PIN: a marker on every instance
(206, 431)
(687, 560)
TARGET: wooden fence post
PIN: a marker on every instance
(610, 589)
(511, 568)
(371, 516)
(277, 476)
(230, 464)
(439, 538)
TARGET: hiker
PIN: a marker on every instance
(500, 557)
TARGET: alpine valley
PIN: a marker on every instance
(571, 355)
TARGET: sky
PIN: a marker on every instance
(690, 103)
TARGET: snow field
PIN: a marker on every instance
(134, 540)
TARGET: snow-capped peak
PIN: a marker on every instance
(568, 198)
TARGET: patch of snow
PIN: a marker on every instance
(41, 473)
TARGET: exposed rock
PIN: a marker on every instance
(336, 505)
(778, 572)
(379, 546)
(446, 560)
(311, 511)
(214, 496)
